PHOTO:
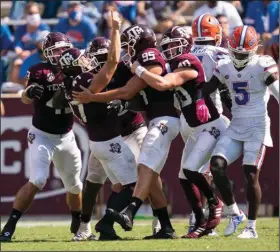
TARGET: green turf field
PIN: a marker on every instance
(58, 238)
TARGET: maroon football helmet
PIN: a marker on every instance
(175, 41)
(135, 39)
(99, 47)
(73, 62)
(53, 46)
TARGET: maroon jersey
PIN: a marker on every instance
(130, 120)
(158, 103)
(45, 117)
(186, 94)
(102, 124)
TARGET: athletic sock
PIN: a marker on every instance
(12, 222)
(252, 224)
(164, 219)
(133, 207)
(90, 192)
(233, 209)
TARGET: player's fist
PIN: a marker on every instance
(202, 111)
(116, 20)
(34, 91)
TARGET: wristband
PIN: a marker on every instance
(139, 70)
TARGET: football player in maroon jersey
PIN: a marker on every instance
(140, 43)
(51, 138)
(185, 78)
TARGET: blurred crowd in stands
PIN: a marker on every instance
(21, 45)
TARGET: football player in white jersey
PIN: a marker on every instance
(207, 37)
(250, 79)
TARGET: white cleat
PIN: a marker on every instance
(213, 233)
(248, 233)
(156, 225)
(234, 221)
(84, 233)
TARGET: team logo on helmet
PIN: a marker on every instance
(66, 59)
(134, 32)
(50, 77)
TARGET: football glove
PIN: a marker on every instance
(117, 105)
(34, 91)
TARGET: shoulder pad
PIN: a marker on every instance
(266, 61)
(83, 79)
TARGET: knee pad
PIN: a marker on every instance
(76, 189)
(39, 183)
(218, 165)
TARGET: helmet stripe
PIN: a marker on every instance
(199, 30)
(243, 35)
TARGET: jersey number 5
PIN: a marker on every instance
(242, 96)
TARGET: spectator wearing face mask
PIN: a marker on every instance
(25, 34)
(34, 58)
(79, 28)
(220, 7)
(223, 20)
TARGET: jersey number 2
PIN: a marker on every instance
(242, 96)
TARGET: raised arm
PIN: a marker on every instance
(171, 80)
(104, 76)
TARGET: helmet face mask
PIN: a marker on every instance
(73, 62)
(175, 41)
(130, 51)
(53, 46)
(99, 48)
(240, 58)
(243, 45)
(172, 48)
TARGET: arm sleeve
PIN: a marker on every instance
(209, 65)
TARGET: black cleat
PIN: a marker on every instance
(105, 237)
(6, 237)
(75, 224)
(121, 218)
(106, 230)
(162, 234)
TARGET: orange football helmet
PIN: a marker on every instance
(242, 45)
(206, 27)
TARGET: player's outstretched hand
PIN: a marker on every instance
(116, 20)
(84, 96)
(202, 111)
(34, 91)
(134, 66)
